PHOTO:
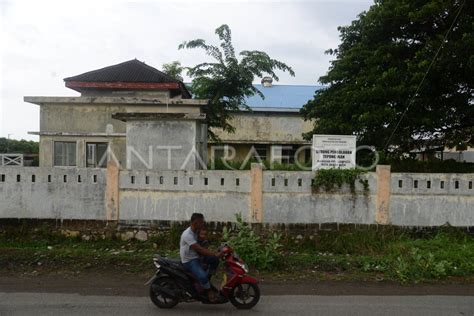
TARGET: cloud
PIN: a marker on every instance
(46, 41)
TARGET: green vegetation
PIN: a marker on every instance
(174, 70)
(328, 179)
(227, 81)
(394, 254)
(258, 252)
(372, 253)
(18, 146)
(387, 69)
(26, 249)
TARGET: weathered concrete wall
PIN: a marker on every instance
(431, 199)
(53, 193)
(95, 117)
(164, 145)
(255, 127)
(400, 199)
(175, 195)
(91, 123)
(288, 198)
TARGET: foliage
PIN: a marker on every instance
(258, 252)
(389, 253)
(220, 164)
(328, 179)
(409, 163)
(169, 239)
(18, 146)
(436, 257)
(358, 241)
(228, 81)
(384, 252)
(173, 69)
(382, 58)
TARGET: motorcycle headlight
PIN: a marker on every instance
(157, 265)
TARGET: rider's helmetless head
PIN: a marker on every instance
(197, 221)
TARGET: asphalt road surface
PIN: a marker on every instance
(15, 303)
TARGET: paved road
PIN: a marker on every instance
(74, 304)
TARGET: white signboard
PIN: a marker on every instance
(334, 151)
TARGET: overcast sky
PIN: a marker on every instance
(43, 42)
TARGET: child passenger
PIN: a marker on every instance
(203, 242)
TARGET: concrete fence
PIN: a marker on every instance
(62, 193)
(403, 199)
(175, 195)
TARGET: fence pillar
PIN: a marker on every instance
(256, 193)
(382, 203)
(112, 192)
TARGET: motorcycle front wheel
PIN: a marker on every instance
(159, 298)
(245, 295)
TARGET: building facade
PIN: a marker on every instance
(273, 128)
(79, 131)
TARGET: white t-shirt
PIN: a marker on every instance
(188, 238)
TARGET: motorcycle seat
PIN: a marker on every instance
(174, 263)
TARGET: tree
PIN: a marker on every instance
(372, 85)
(18, 146)
(227, 81)
(174, 70)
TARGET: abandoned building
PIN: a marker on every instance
(132, 104)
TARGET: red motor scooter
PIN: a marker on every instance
(173, 284)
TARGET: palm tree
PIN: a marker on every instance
(228, 81)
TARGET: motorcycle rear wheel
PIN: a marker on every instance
(159, 299)
(245, 295)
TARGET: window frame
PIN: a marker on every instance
(66, 155)
(291, 156)
(258, 147)
(96, 161)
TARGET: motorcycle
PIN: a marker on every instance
(173, 284)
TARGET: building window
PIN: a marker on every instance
(288, 154)
(96, 156)
(261, 151)
(64, 153)
(219, 153)
(307, 155)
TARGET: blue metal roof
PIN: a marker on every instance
(282, 96)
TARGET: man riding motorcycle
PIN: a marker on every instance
(189, 251)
